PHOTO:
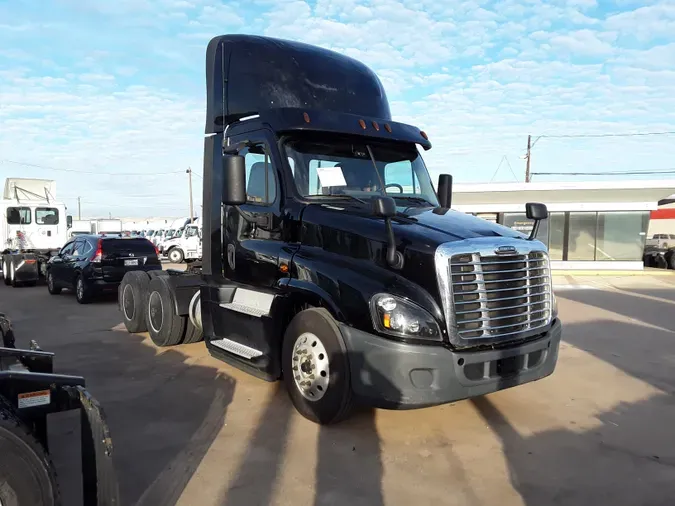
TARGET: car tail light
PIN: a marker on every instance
(156, 249)
(99, 252)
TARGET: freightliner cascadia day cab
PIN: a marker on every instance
(330, 262)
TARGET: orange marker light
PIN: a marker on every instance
(386, 320)
(376, 126)
(306, 116)
(424, 134)
(362, 123)
(283, 268)
(387, 127)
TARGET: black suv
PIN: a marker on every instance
(94, 263)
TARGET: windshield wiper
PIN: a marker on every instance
(416, 199)
(341, 196)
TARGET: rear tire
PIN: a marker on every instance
(327, 370)
(176, 256)
(51, 285)
(27, 475)
(165, 327)
(5, 272)
(12, 274)
(192, 333)
(83, 292)
(133, 300)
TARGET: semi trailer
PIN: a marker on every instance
(330, 261)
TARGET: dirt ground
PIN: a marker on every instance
(190, 430)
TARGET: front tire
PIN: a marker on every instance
(27, 475)
(51, 285)
(315, 367)
(176, 256)
(83, 292)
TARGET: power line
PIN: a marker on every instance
(46, 167)
(608, 173)
(633, 134)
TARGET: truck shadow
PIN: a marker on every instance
(639, 350)
(624, 455)
(163, 412)
(348, 466)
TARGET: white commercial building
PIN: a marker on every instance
(592, 225)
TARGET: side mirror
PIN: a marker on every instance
(445, 190)
(69, 221)
(234, 180)
(384, 207)
(537, 212)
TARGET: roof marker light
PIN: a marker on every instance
(362, 123)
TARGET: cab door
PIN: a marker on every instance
(252, 233)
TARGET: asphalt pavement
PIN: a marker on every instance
(190, 430)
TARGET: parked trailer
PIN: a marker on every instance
(34, 225)
(29, 391)
(324, 267)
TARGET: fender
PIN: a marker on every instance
(312, 291)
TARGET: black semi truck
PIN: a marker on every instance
(329, 259)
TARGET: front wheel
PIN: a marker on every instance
(176, 256)
(51, 285)
(316, 367)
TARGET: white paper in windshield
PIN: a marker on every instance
(331, 176)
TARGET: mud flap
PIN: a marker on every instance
(99, 480)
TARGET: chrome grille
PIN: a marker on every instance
(500, 295)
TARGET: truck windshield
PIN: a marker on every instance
(339, 169)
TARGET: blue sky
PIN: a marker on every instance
(118, 86)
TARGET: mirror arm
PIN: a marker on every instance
(535, 229)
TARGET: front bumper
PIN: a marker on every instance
(396, 375)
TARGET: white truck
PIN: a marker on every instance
(78, 227)
(34, 225)
(106, 227)
(186, 246)
(175, 230)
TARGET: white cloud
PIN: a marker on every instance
(478, 76)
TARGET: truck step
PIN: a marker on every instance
(250, 302)
(237, 348)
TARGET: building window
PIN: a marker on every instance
(18, 216)
(519, 222)
(621, 235)
(47, 216)
(581, 244)
(556, 226)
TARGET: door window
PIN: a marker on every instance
(78, 248)
(260, 178)
(67, 249)
(18, 216)
(47, 216)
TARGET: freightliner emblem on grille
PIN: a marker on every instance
(505, 250)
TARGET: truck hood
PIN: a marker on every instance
(415, 227)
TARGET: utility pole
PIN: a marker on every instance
(189, 173)
(79, 209)
(527, 157)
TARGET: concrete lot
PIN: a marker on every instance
(189, 430)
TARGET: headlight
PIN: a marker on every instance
(398, 317)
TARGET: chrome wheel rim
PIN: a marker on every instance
(311, 371)
(128, 302)
(12, 271)
(155, 311)
(80, 288)
(50, 283)
(173, 256)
